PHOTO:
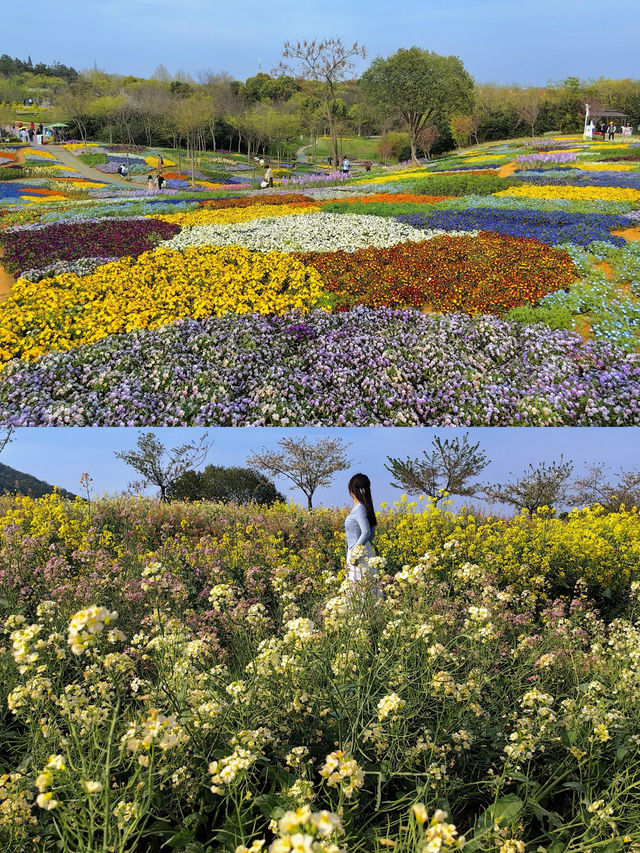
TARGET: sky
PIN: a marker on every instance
(529, 42)
(61, 455)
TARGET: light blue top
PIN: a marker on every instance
(357, 528)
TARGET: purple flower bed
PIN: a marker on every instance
(313, 178)
(576, 178)
(298, 370)
(547, 157)
(36, 249)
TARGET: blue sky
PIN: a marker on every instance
(60, 456)
(528, 42)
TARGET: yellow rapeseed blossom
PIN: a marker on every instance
(152, 290)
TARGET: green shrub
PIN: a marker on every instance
(463, 184)
(11, 173)
(556, 317)
(92, 159)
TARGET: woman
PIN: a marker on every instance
(359, 527)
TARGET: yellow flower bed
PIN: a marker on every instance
(73, 146)
(38, 152)
(39, 199)
(153, 161)
(393, 176)
(574, 193)
(607, 167)
(156, 288)
(232, 215)
(471, 157)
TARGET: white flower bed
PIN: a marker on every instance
(309, 232)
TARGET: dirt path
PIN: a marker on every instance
(507, 170)
(631, 234)
(6, 279)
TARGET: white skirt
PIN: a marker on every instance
(360, 569)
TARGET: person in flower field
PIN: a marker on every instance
(268, 175)
(359, 528)
(346, 165)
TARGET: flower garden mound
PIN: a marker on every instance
(25, 248)
(361, 368)
(312, 232)
(150, 291)
(483, 274)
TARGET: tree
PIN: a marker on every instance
(307, 466)
(418, 87)
(426, 139)
(461, 129)
(5, 437)
(318, 66)
(225, 485)
(528, 108)
(541, 485)
(594, 487)
(161, 467)
(448, 468)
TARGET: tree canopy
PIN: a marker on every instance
(221, 484)
(419, 87)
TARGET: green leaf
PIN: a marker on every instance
(503, 812)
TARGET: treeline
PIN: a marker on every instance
(270, 113)
(13, 482)
(12, 67)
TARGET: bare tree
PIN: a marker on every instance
(5, 437)
(307, 466)
(528, 106)
(595, 487)
(447, 469)
(541, 485)
(161, 467)
(318, 67)
(426, 139)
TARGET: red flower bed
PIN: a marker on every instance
(488, 274)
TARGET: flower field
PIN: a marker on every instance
(200, 676)
(542, 236)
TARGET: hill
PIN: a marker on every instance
(12, 481)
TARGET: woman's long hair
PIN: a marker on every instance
(360, 487)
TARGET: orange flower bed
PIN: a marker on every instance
(393, 198)
(40, 191)
(249, 201)
(488, 274)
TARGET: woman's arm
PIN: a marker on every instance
(365, 527)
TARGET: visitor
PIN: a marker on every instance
(150, 184)
(612, 132)
(268, 175)
(346, 165)
(123, 171)
(160, 182)
(160, 162)
(359, 528)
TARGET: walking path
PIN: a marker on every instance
(70, 160)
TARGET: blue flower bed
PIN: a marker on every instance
(549, 227)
